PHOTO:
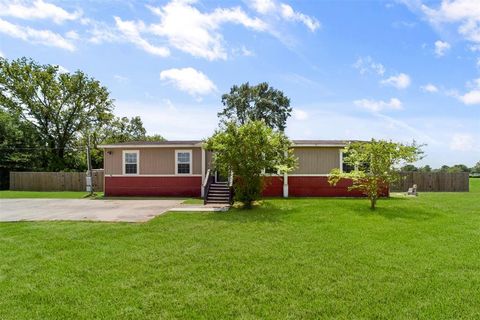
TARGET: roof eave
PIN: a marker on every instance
(132, 146)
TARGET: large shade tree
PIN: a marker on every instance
(375, 165)
(247, 103)
(58, 106)
(117, 130)
(247, 150)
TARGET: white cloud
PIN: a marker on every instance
(263, 6)
(400, 81)
(44, 37)
(72, 34)
(242, 51)
(289, 14)
(38, 9)
(131, 30)
(464, 13)
(462, 142)
(379, 105)
(197, 33)
(121, 79)
(471, 97)
(299, 114)
(431, 88)
(189, 80)
(441, 47)
(366, 65)
(285, 12)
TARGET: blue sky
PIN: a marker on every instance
(399, 70)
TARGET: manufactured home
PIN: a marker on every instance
(182, 168)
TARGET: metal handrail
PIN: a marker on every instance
(205, 179)
(230, 188)
(230, 179)
(206, 186)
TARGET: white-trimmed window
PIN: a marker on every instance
(183, 161)
(131, 160)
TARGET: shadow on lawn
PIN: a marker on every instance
(410, 212)
(263, 212)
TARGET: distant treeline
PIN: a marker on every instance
(475, 170)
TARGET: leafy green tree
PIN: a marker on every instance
(18, 146)
(59, 106)
(476, 168)
(458, 168)
(117, 130)
(382, 157)
(246, 150)
(247, 103)
(443, 168)
(409, 168)
(426, 168)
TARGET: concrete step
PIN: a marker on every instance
(217, 198)
(218, 192)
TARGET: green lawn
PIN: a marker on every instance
(7, 194)
(296, 258)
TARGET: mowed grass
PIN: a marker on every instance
(8, 194)
(296, 258)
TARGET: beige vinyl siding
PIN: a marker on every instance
(316, 160)
(153, 161)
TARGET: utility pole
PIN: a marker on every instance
(89, 167)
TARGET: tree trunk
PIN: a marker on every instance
(247, 204)
(373, 202)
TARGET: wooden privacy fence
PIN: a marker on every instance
(433, 182)
(54, 181)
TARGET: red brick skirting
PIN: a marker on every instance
(319, 187)
(153, 186)
(273, 187)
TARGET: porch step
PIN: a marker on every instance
(218, 192)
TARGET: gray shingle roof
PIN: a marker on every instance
(198, 142)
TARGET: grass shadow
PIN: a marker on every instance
(264, 211)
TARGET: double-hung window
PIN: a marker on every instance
(130, 162)
(183, 161)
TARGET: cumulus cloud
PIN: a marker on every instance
(472, 96)
(288, 13)
(462, 142)
(35, 10)
(400, 81)
(189, 80)
(186, 28)
(299, 114)
(285, 12)
(429, 88)
(366, 65)
(441, 47)
(44, 37)
(132, 30)
(463, 13)
(379, 105)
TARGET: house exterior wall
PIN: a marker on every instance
(316, 160)
(157, 174)
(153, 161)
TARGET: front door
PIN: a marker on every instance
(220, 178)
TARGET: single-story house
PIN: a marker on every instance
(179, 168)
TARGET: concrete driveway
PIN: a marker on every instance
(83, 209)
